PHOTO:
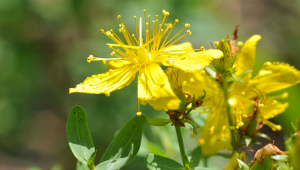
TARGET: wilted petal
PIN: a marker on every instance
(107, 82)
(154, 88)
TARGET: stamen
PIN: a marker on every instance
(192, 80)
(201, 141)
(240, 124)
(216, 43)
(202, 48)
(240, 43)
(90, 58)
(273, 126)
(211, 130)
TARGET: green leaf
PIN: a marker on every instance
(263, 135)
(116, 162)
(247, 140)
(81, 166)
(78, 134)
(130, 134)
(282, 158)
(196, 156)
(202, 168)
(154, 162)
(158, 121)
(267, 163)
(56, 167)
(34, 168)
(242, 165)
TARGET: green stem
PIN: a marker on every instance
(225, 89)
(205, 161)
(187, 113)
(184, 158)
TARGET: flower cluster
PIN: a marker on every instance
(216, 81)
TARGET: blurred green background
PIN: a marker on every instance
(43, 49)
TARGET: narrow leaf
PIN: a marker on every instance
(130, 134)
(282, 158)
(196, 156)
(263, 135)
(242, 165)
(78, 134)
(157, 121)
(81, 166)
(154, 162)
(267, 163)
(116, 162)
(202, 168)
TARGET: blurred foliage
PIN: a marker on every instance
(43, 49)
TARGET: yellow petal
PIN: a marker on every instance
(215, 134)
(193, 61)
(154, 88)
(107, 82)
(193, 83)
(246, 59)
(273, 77)
(179, 47)
(233, 163)
(115, 64)
(272, 108)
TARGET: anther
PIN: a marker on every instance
(110, 71)
(267, 63)
(138, 113)
(187, 25)
(112, 53)
(176, 20)
(285, 95)
(144, 10)
(240, 43)
(104, 62)
(189, 32)
(240, 124)
(119, 16)
(90, 58)
(243, 93)
(216, 43)
(134, 16)
(184, 83)
(278, 127)
(201, 141)
(192, 80)
(102, 31)
(202, 48)
(107, 94)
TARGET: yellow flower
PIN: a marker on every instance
(244, 96)
(143, 55)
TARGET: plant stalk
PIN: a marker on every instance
(184, 158)
(232, 130)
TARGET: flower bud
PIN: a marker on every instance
(225, 62)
